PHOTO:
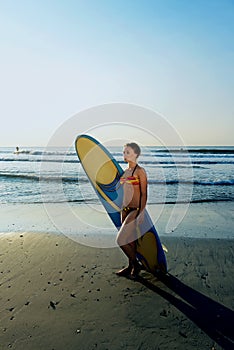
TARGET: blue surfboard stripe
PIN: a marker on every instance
(114, 192)
(110, 188)
(113, 186)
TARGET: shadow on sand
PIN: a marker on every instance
(216, 320)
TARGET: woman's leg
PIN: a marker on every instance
(126, 240)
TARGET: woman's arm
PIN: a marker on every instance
(143, 193)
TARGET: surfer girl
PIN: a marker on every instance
(134, 182)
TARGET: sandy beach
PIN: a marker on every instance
(109, 108)
(58, 294)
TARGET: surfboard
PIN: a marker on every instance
(104, 172)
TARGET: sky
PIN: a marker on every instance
(173, 57)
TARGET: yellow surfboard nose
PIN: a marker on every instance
(95, 161)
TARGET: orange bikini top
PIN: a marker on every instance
(133, 180)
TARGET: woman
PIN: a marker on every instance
(134, 182)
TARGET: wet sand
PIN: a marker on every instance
(58, 294)
(201, 220)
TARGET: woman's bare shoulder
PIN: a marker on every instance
(141, 170)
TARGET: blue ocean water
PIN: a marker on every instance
(195, 174)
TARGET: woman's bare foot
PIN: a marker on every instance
(124, 272)
(135, 271)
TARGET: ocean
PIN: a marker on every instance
(42, 175)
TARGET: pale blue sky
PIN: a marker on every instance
(61, 57)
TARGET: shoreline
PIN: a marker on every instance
(57, 294)
(200, 220)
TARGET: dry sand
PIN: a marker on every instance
(57, 294)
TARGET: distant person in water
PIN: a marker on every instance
(134, 182)
(17, 149)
